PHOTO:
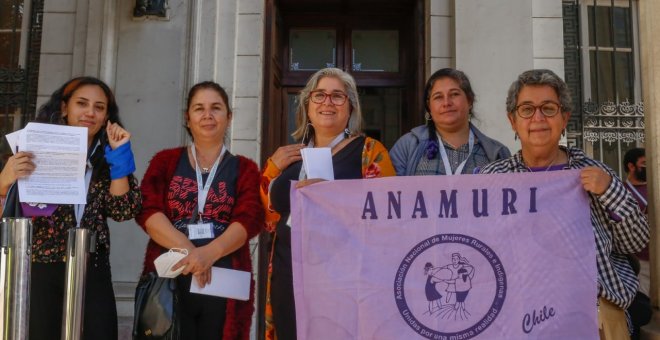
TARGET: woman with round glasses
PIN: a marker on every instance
(448, 144)
(328, 115)
(539, 105)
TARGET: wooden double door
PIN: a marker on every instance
(380, 43)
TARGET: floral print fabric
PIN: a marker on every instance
(376, 163)
(50, 233)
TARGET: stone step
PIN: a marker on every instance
(125, 296)
(125, 328)
(652, 330)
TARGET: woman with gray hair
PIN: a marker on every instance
(328, 115)
(539, 106)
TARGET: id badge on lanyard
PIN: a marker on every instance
(445, 158)
(201, 230)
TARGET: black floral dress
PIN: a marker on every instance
(49, 244)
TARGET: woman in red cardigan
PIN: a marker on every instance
(206, 200)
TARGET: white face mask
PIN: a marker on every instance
(165, 262)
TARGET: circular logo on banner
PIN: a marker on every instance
(450, 286)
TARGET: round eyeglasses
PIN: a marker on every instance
(336, 98)
(548, 109)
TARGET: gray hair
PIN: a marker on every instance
(302, 120)
(539, 77)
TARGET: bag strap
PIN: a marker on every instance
(12, 207)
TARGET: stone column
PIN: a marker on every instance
(493, 53)
(649, 30)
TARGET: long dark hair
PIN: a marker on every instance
(51, 112)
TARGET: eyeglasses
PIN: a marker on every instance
(336, 98)
(548, 109)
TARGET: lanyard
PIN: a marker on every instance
(637, 193)
(445, 159)
(340, 137)
(203, 192)
(79, 209)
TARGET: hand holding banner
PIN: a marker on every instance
(445, 257)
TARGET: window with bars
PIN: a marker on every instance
(20, 45)
(601, 46)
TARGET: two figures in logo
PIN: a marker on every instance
(456, 279)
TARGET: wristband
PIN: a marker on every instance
(121, 160)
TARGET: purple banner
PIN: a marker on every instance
(445, 257)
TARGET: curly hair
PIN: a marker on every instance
(539, 77)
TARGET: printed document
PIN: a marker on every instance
(60, 154)
(12, 139)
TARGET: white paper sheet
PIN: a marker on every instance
(318, 163)
(60, 154)
(229, 283)
(12, 139)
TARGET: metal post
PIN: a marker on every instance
(15, 265)
(4, 258)
(81, 242)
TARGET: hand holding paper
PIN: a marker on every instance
(229, 283)
(12, 140)
(59, 157)
(19, 165)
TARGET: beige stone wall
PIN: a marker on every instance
(649, 31)
(440, 35)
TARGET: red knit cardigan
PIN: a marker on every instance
(248, 211)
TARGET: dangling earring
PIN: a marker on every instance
(305, 134)
(515, 136)
(347, 132)
(427, 116)
(563, 132)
